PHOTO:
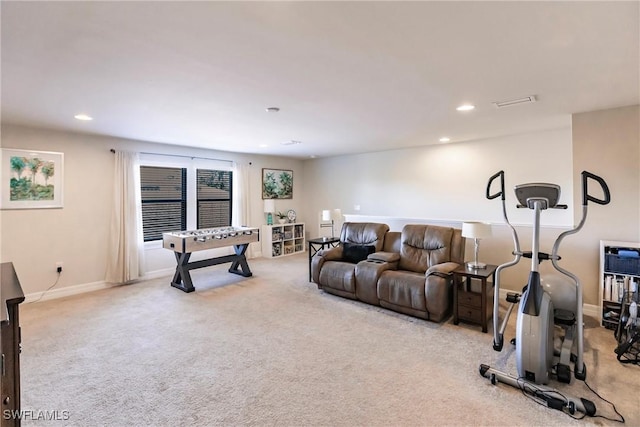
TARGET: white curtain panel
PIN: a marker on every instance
(241, 200)
(126, 245)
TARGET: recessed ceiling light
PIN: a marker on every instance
(83, 117)
(292, 142)
(272, 109)
(263, 145)
(466, 107)
(445, 139)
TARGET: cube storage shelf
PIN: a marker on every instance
(619, 279)
(282, 239)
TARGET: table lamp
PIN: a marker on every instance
(269, 208)
(326, 216)
(476, 231)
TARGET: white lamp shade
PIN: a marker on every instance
(269, 205)
(476, 230)
(326, 215)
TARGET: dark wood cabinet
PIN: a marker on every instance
(473, 302)
(11, 296)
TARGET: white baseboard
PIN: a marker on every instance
(67, 291)
(87, 287)
(158, 273)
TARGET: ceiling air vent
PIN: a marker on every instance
(511, 102)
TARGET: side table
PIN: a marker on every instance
(469, 304)
(318, 244)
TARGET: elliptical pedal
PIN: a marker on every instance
(513, 297)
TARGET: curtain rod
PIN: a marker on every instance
(180, 155)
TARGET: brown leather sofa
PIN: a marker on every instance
(408, 272)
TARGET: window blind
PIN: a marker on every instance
(214, 197)
(164, 200)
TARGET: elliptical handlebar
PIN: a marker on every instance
(580, 370)
(501, 193)
(499, 328)
(586, 197)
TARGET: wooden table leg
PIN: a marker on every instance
(483, 305)
(240, 261)
(455, 299)
(182, 278)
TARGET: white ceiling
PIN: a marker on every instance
(348, 77)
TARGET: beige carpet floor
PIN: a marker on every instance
(274, 350)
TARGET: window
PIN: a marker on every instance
(164, 200)
(184, 195)
(213, 198)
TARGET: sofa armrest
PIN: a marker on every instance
(384, 257)
(317, 261)
(438, 290)
(331, 254)
(442, 270)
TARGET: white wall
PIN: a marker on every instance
(448, 182)
(445, 181)
(34, 239)
(606, 143)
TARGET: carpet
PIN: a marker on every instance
(274, 350)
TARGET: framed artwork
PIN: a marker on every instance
(277, 184)
(31, 179)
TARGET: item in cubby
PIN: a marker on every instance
(276, 250)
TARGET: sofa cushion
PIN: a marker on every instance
(356, 253)
(403, 289)
(424, 246)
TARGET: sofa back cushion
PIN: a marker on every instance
(425, 245)
(364, 233)
(392, 241)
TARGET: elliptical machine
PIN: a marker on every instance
(541, 308)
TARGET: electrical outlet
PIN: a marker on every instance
(59, 266)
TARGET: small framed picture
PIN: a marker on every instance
(277, 184)
(31, 179)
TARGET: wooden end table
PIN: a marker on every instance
(468, 305)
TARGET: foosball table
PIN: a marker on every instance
(184, 243)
